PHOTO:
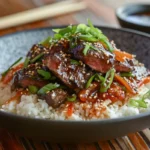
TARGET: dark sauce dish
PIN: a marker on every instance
(15, 45)
(134, 16)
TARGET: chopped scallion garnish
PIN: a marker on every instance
(45, 74)
(95, 76)
(146, 95)
(101, 78)
(46, 41)
(74, 62)
(57, 36)
(138, 103)
(48, 87)
(17, 61)
(56, 30)
(126, 74)
(107, 81)
(36, 58)
(133, 103)
(85, 50)
(33, 89)
(88, 38)
(90, 81)
(26, 62)
(72, 98)
(89, 46)
(141, 101)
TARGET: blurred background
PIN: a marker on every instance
(101, 12)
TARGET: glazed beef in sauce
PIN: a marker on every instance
(55, 97)
(29, 76)
(73, 75)
(100, 60)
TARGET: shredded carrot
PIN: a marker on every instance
(120, 55)
(8, 77)
(16, 97)
(144, 81)
(124, 83)
(70, 109)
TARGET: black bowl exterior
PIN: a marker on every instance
(73, 131)
(15, 45)
(123, 12)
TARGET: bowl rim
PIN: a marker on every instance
(120, 15)
(102, 121)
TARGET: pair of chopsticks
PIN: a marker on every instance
(41, 13)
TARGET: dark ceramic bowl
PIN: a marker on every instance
(123, 13)
(15, 45)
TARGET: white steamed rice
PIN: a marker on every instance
(31, 106)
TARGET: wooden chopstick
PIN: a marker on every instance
(41, 13)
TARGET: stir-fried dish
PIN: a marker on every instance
(78, 65)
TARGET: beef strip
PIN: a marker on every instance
(73, 75)
(36, 50)
(55, 97)
(29, 76)
(100, 60)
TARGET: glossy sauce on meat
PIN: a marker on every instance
(73, 75)
(29, 76)
(100, 60)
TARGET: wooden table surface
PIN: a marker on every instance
(101, 12)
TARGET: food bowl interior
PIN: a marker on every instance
(16, 45)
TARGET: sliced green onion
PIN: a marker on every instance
(138, 103)
(94, 31)
(74, 28)
(57, 36)
(44, 74)
(48, 88)
(33, 89)
(90, 23)
(88, 38)
(36, 58)
(108, 80)
(94, 77)
(142, 103)
(101, 78)
(26, 62)
(146, 95)
(72, 98)
(108, 45)
(56, 30)
(63, 31)
(94, 48)
(90, 81)
(74, 62)
(126, 74)
(82, 28)
(46, 41)
(133, 103)
(89, 46)
(17, 61)
(85, 50)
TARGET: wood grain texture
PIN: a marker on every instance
(101, 12)
(133, 141)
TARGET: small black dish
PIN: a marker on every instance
(134, 16)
